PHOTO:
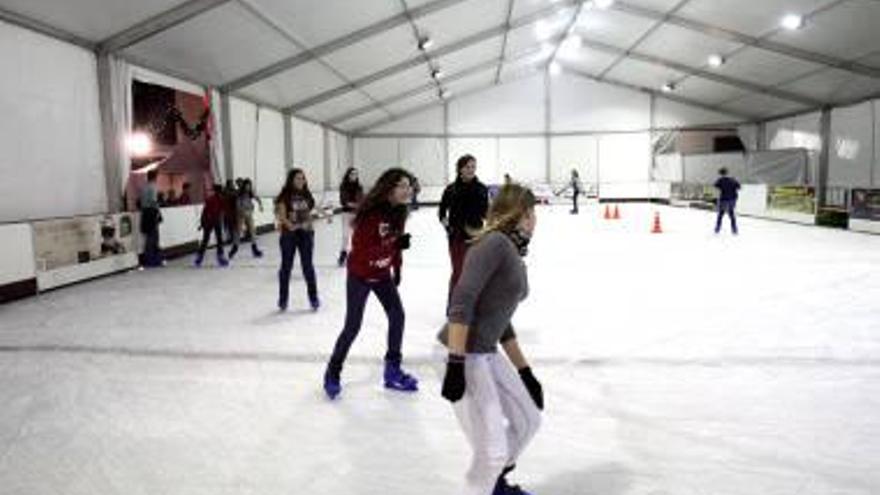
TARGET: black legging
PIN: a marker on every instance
(206, 236)
(357, 291)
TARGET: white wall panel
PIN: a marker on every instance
(876, 173)
(50, 128)
(574, 152)
(512, 107)
(427, 122)
(624, 158)
(525, 159)
(338, 156)
(673, 114)
(669, 168)
(308, 151)
(372, 156)
(485, 150)
(852, 146)
(425, 158)
(579, 104)
(243, 124)
(270, 169)
(16, 253)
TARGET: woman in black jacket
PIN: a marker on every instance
(462, 209)
(350, 195)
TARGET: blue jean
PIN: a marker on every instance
(729, 207)
(357, 291)
(304, 241)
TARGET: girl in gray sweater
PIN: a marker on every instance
(497, 400)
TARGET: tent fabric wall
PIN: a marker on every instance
(513, 107)
(624, 158)
(875, 182)
(670, 113)
(218, 153)
(374, 155)
(577, 105)
(50, 128)
(425, 158)
(802, 131)
(429, 121)
(574, 152)
(668, 168)
(852, 146)
(269, 167)
(308, 151)
(244, 130)
(525, 159)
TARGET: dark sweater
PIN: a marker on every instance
(350, 192)
(492, 284)
(729, 188)
(466, 204)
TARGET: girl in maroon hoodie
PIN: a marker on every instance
(374, 266)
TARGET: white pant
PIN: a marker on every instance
(347, 218)
(498, 417)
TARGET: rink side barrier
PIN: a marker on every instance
(18, 273)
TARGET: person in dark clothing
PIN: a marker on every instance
(294, 212)
(246, 200)
(185, 198)
(212, 221)
(350, 195)
(576, 189)
(416, 189)
(375, 266)
(462, 209)
(729, 192)
(151, 217)
(230, 216)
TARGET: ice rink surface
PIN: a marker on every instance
(675, 364)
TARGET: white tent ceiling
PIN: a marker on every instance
(350, 63)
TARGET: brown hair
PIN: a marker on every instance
(511, 204)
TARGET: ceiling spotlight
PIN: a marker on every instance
(445, 93)
(792, 22)
(543, 30)
(716, 60)
(436, 73)
(555, 68)
(603, 4)
(668, 87)
(425, 43)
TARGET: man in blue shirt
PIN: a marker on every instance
(729, 187)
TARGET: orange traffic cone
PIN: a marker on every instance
(616, 213)
(657, 228)
(607, 212)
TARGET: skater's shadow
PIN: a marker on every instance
(603, 479)
(275, 316)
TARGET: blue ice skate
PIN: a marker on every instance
(315, 303)
(222, 261)
(198, 261)
(332, 387)
(397, 379)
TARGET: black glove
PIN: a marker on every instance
(533, 386)
(403, 241)
(453, 381)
